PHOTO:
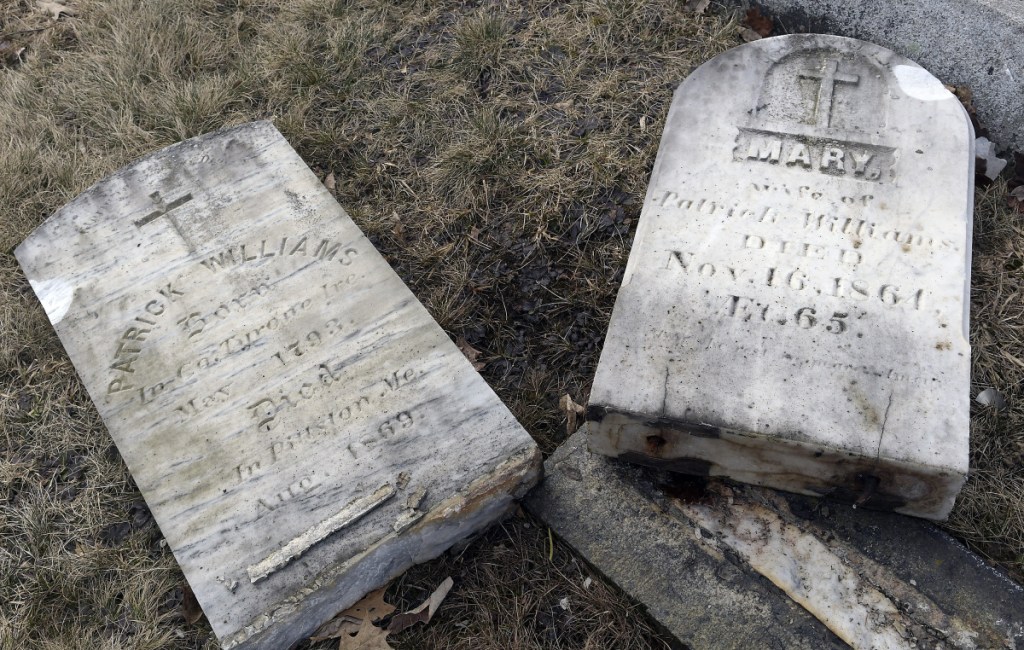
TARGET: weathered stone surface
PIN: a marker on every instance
(725, 566)
(301, 428)
(976, 44)
(794, 309)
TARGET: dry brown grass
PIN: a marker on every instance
(496, 153)
(990, 511)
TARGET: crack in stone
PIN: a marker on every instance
(881, 435)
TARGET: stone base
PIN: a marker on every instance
(805, 468)
(722, 565)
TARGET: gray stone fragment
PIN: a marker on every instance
(694, 552)
(614, 514)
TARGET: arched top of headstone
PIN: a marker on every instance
(821, 92)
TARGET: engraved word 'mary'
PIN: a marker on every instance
(794, 311)
(300, 427)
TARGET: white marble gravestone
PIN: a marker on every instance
(300, 426)
(794, 311)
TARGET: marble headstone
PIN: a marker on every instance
(300, 427)
(794, 312)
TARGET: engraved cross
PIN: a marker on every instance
(164, 209)
(829, 76)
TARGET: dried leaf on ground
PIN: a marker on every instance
(758, 22)
(190, 608)
(697, 6)
(986, 163)
(330, 182)
(471, 353)
(425, 611)
(371, 608)
(368, 637)
(571, 410)
(1018, 168)
(966, 97)
(349, 622)
(55, 9)
(991, 397)
(749, 35)
(1016, 198)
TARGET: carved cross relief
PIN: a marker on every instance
(163, 209)
(829, 76)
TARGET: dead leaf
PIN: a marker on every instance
(966, 97)
(986, 163)
(1016, 198)
(55, 9)
(336, 628)
(371, 608)
(697, 6)
(571, 410)
(330, 183)
(190, 608)
(368, 637)
(749, 35)
(758, 22)
(471, 353)
(350, 622)
(991, 397)
(425, 611)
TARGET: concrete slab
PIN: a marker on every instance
(723, 565)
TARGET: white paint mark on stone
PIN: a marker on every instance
(293, 549)
(920, 84)
(55, 295)
(809, 572)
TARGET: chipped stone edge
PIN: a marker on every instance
(859, 600)
(684, 443)
(758, 527)
(491, 495)
(351, 513)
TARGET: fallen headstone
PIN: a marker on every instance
(794, 311)
(300, 427)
